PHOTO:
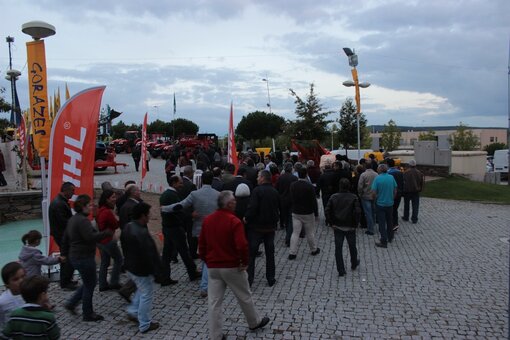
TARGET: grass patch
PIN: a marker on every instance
(460, 188)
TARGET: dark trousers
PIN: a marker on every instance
(87, 269)
(175, 238)
(137, 164)
(255, 238)
(414, 198)
(3, 182)
(339, 243)
(147, 165)
(385, 221)
(192, 241)
(109, 251)
(396, 204)
(66, 269)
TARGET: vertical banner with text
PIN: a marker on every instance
(38, 94)
(73, 146)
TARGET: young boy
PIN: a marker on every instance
(32, 320)
(12, 276)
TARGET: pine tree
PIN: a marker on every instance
(348, 134)
(311, 120)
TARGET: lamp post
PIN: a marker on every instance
(353, 62)
(268, 96)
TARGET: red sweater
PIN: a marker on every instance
(222, 242)
(106, 220)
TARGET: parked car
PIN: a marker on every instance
(501, 161)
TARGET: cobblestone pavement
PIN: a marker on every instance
(444, 277)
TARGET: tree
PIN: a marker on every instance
(429, 135)
(491, 148)
(4, 106)
(159, 126)
(348, 134)
(311, 122)
(119, 129)
(464, 139)
(183, 126)
(390, 137)
(259, 124)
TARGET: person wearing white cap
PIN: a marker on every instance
(413, 185)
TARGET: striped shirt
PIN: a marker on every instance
(33, 322)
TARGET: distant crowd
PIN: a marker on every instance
(215, 219)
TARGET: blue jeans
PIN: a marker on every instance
(204, 282)
(87, 269)
(141, 306)
(385, 221)
(414, 197)
(369, 210)
(109, 251)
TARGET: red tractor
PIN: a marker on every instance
(127, 143)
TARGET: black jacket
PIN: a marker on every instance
(125, 212)
(81, 237)
(343, 210)
(140, 253)
(328, 182)
(232, 186)
(263, 211)
(303, 198)
(283, 187)
(59, 214)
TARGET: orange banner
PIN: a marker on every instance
(356, 84)
(38, 93)
(73, 145)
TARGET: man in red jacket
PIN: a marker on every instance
(223, 247)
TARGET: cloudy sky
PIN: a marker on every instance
(429, 62)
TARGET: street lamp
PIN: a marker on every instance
(353, 62)
(268, 96)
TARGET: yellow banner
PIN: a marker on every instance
(38, 93)
(356, 84)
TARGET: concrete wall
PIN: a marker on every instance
(10, 157)
(15, 206)
(471, 163)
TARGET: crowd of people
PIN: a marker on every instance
(210, 212)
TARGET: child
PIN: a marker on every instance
(32, 258)
(32, 319)
(12, 275)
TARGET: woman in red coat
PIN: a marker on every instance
(108, 247)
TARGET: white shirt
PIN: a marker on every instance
(8, 303)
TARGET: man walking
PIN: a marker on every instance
(283, 187)
(384, 189)
(304, 209)
(262, 218)
(141, 260)
(224, 249)
(202, 202)
(174, 234)
(59, 214)
(413, 185)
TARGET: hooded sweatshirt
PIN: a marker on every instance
(32, 259)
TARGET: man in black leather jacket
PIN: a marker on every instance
(342, 213)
